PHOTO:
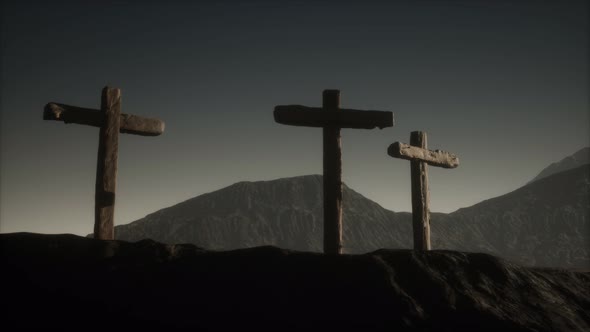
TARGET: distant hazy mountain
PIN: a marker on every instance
(582, 157)
(545, 223)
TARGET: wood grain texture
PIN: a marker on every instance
(431, 157)
(297, 115)
(129, 124)
(106, 170)
(332, 178)
(420, 195)
(138, 125)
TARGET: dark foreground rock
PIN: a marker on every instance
(71, 282)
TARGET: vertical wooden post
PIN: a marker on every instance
(332, 118)
(332, 178)
(420, 195)
(106, 170)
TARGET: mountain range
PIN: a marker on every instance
(544, 223)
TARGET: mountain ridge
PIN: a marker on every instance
(297, 198)
(577, 159)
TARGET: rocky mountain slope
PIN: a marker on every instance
(66, 282)
(545, 223)
(286, 213)
(580, 158)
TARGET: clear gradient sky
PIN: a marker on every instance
(503, 84)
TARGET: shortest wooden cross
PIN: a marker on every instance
(111, 121)
(419, 157)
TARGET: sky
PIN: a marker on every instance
(502, 84)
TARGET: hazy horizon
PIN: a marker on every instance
(502, 84)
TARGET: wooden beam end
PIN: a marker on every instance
(454, 163)
(113, 92)
(52, 111)
(394, 150)
(388, 121)
(275, 114)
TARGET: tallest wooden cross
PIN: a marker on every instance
(332, 118)
(111, 121)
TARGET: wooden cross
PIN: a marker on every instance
(332, 118)
(419, 157)
(111, 121)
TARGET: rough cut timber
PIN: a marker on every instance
(106, 166)
(129, 124)
(332, 167)
(431, 157)
(420, 195)
(110, 121)
(419, 158)
(297, 115)
(331, 118)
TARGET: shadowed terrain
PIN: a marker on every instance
(71, 282)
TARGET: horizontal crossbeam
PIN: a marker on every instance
(434, 158)
(129, 124)
(297, 115)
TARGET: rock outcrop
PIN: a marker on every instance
(66, 282)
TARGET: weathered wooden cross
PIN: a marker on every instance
(332, 118)
(419, 157)
(111, 121)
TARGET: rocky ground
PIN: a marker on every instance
(71, 282)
